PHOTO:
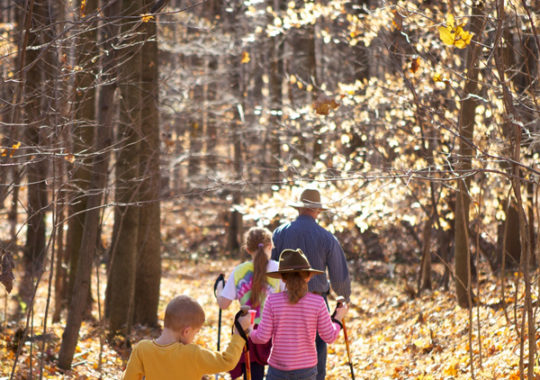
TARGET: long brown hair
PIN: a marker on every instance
(297, 286)
(257, 238)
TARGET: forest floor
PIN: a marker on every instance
(392, 333)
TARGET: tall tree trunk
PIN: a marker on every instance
(194, 117)
(514, 123)
(83, 134)
(81, 284)
(526, 81)
(97, 185)
(301, 65)
(276, 103)
(211, 11)
(211, 118)
(149, 242)
(23, 18)
(424, 282)
(195, 123)
(60, 275)
(122, 274)
(510, 231)
(36, 141)
(237, 88)
(466, 131)
(59, 102)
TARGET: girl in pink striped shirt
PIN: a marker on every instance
(293, 318)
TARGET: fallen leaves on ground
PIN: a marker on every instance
(391, 335)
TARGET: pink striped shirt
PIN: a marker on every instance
(293, 329)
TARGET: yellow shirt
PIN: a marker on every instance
(180, 361)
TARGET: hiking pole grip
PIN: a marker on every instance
(220, 279)
(340, 301)
(243, 311)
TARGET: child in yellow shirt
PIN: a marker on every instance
(173, 355)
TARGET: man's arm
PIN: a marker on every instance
(338, 271)
(276, 249)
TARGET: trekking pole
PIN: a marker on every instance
(243, 311)
(220, 279)
(341, 300)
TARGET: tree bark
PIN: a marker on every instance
(424, 282)
(276, 73)
(466, 131)
(514, 124)
(194, 118)
(122, 274)
(97, 185)
(81, 285)
(36, 141)
(149, 242)
(83, 135)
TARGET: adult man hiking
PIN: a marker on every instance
(323, 252)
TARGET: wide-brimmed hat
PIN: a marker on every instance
(309, 198)
(291, 261)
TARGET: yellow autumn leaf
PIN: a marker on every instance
(245, 57)
(451, 370)
(437, 77)
(397, 21)
(446, 35)
(10, 151)
(450, 20)
(146, 17)
(453, 35)
(83, 8)
(463, 38)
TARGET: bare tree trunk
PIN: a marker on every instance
(149, 244)
(514, 122)
(211, 118)
(97, 185)
(36, 170)
(466, 131)
(237, 86)
(194, 117)
(425, 268)
(81, 283)
(122, 274)
(83, 135)
(61, 102)
(60, 278)
(276, 103)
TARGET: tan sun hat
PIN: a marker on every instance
(291, 261)
(310, 198)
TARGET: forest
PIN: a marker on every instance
(141, 139)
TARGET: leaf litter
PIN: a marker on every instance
(391, 334)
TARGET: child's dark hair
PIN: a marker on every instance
(257, 238)
(297, 286)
